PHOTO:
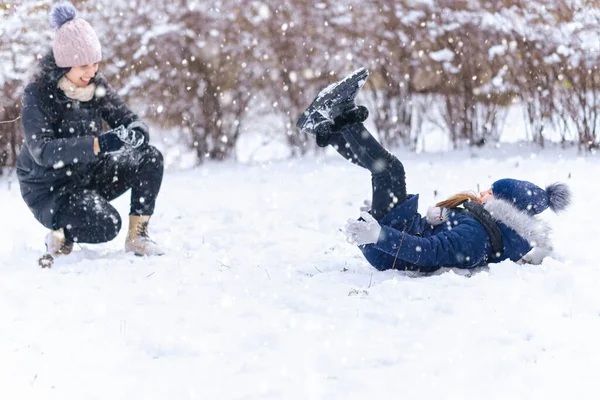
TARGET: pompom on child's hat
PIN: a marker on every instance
(531, 198)
(75, 42)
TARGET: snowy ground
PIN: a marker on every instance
(260, 297)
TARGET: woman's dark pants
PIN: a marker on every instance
(88, 217)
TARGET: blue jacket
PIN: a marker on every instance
(451, 239)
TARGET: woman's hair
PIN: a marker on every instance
(458, 199)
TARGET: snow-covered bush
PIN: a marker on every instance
(203, 70)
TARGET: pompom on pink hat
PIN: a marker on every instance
(75, 42)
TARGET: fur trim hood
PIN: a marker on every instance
(530, 228)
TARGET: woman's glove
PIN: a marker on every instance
(113, 140)
(142, 129)
(363, 231)
(110, 141)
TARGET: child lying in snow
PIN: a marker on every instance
(465, 231)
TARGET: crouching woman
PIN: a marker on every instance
(68, 169)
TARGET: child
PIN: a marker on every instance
(498, 224)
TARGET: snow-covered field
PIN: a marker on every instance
(260, 297)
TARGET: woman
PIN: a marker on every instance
(498, 224)
(68, 170)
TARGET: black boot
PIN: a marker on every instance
(325, 128)
(333, 101)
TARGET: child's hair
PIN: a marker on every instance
(458, 199)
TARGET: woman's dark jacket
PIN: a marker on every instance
(57, 155)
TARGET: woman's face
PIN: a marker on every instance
(486, 196)
(82, 75)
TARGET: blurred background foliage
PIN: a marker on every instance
(202, 70)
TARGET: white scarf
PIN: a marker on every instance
(75, 92)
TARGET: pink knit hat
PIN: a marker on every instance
(75, 43)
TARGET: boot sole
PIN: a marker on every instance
(327, 97)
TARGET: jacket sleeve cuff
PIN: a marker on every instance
(389, 239)
(83, 150)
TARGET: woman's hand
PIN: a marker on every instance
(114, 139)
(141, 129)
(110, 141)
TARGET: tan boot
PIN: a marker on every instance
(138, 240)
(57, 243)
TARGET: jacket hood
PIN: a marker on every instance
(530, 228)
(48, 73)
(53, 100)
